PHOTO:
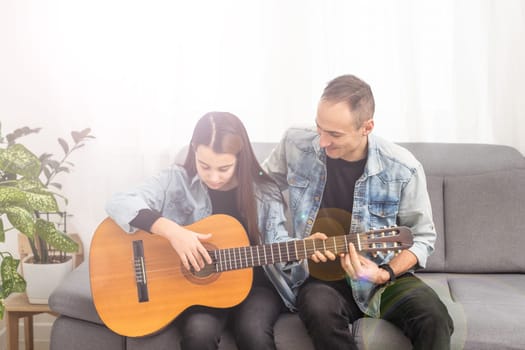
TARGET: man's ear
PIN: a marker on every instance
(368, 126)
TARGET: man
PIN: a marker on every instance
(343, 167)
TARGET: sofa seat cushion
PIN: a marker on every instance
(75, 333)
(493, 308)
(474, 299)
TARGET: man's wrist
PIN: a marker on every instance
(383, 277)
(388, 272)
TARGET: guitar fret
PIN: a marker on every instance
(335, 245)
(230, 258)
(241, 259)
(280, 256)
(258, 256)
(251, 254)
(304, 247)
(235, 260)
(271, 252)
(264, 251)
(245, 256)
(287, 252)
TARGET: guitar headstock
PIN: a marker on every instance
(385, 240)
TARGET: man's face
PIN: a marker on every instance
(339, 135)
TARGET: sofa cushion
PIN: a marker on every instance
(483, 232)
(457, 159)
(75, 333)
(73, 296)
(499, 298)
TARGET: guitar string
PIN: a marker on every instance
(336, 243)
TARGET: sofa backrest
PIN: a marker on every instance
(478, 197)
(477, 193)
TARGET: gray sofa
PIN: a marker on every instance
(478, 268)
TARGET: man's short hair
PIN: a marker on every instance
(355, 92)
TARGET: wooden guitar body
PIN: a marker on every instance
(170, 287)
(139, 285)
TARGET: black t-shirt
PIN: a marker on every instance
(335, 215)
(223, 202)
(340, 183)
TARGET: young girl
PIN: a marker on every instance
(220, 176)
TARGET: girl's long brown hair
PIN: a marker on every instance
(223, 132)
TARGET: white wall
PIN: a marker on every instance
(140, 73)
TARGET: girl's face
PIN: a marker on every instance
(216, 170)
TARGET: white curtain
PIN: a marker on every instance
(140, 73)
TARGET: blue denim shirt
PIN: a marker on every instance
(186, 201)
(391, 192)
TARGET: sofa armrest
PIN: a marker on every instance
(73, 298)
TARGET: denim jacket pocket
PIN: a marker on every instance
(296, 187)
(383, 214)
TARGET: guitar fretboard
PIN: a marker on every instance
(265, 254)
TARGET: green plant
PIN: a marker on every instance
(25, 193)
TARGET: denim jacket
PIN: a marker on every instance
(186, 201)
(392, 191)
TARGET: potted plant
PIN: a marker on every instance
(26, 183)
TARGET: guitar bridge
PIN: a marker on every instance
(140, 271)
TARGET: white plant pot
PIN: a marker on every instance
(42, 279)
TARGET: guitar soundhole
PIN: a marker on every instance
(207, 271)
(208, 274)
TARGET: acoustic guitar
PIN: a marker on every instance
(139, 285)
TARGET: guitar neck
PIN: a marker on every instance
(265, 254)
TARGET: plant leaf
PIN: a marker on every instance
(41, 201)
(76, 136)
(13, 282)
(84, 133)
(21, 219)
(64, 145)
(11, 196)
(44, 156)
(17, 159)
(29, 194)
(54, 237)
(11, 138)
(2, 231)
(53, 164)
(47, 172)
(56, 185)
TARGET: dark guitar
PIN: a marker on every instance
(139, 284)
